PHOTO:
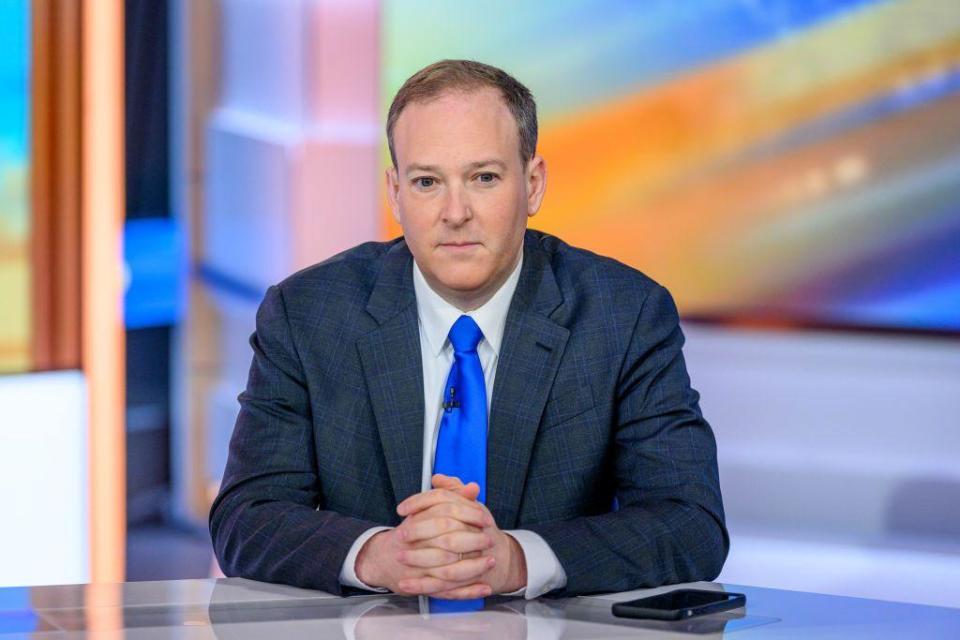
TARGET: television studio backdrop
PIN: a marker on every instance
(789, 170)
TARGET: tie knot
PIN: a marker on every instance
(465, 335)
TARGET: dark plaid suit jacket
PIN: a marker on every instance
(591, 402)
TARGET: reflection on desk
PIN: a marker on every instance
(234, 608)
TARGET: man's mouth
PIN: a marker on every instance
(459, 245)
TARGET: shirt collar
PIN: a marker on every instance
(437, 315)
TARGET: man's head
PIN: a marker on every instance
(465, 175)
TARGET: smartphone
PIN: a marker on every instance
(679, 604)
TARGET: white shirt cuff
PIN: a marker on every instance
(348, 572)
(544, 572)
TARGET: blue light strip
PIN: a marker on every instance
(156, 269)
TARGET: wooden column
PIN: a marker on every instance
(55, 185)
(102, 204)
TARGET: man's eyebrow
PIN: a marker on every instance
(483, 163)
(426, 168)
(429, 168)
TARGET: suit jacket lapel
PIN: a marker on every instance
(393, 369)
(530, 355)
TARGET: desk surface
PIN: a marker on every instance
(237, 608)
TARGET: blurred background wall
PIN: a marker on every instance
(62, 391)
(789, 170)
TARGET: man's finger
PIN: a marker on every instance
(429, 558)
(426, 499)
(453, 483)
(417, 530)
(441, 481)
(458, 542)
(423, 585)
(470, 491)
(432, 557)
(428, 585)
(469, 592)
(472, 514)
(463, 570)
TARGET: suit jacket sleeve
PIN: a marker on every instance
(669, 526)
(268, 522)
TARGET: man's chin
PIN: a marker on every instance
(466, 267)
(464, 286)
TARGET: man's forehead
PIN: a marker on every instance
(453, 110)
(458, 129)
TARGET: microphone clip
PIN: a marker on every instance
(450, 403)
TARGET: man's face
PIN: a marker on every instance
(461, 192)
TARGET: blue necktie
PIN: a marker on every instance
(462, 441)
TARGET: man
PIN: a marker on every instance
(546, 383)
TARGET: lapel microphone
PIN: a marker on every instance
(451, 404)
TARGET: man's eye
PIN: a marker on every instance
(424, 182)
(487, 178)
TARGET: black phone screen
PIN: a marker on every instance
(681, 599)
(679, 604)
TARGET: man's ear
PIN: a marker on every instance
(536, 177)
(393, 192)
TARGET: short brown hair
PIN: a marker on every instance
(467, 75)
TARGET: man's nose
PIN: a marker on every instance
(457, 208)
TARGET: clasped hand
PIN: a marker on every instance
(448, 546)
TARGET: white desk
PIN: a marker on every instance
(243, 609)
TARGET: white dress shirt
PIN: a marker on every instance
(436, 315)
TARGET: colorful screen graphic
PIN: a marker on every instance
(787, 162)
(14, 163)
